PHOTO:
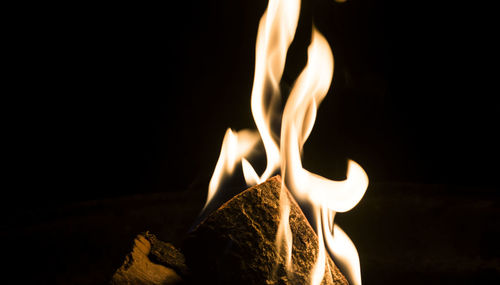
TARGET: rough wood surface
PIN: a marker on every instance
(139, 267)
(236, 243)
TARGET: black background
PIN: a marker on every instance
(115, 100)
(135, 98)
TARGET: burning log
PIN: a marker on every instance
(151, 261)
(236, 243)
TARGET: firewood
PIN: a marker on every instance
(236, 243)
(151, 262)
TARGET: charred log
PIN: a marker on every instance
(151, 262)
(236, 243)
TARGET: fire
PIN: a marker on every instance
(276, 32)
(326, 197)
(234, 147)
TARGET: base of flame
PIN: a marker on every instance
(236, 243)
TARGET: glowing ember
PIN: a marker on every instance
(326, 197)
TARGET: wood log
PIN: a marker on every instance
(151, 262)
(236, 243)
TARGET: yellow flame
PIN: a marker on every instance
(276, 32)
(318, 271)
(343, 250)
(234, 147)
(284, 240)
(298, 117)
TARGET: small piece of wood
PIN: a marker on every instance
(236, 243)
(138, 267)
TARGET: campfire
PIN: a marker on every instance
(281, 230)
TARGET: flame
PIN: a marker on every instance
(234, 147)
(326, 197)
(307, 93)
(284, 232)
(318, 271)
(344, 252)
(276, 32)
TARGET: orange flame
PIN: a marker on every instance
(276, 32)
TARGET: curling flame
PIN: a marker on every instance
(344, 252)
(326, 197)
(276, 32)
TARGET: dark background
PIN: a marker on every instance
(135, 98)
(122, 100)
